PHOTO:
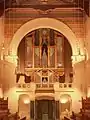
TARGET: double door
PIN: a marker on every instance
(44, 110)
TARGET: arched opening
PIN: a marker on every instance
(24, 106)
(46, 107)
(46, 49)
(65, 105)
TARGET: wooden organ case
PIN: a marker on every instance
(43, 56)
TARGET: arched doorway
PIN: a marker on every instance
(24, 106)
(46, 108)
(65, 104)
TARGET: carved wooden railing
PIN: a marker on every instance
(65, 85)
(44, 85)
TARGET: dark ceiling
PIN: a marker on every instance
(44, 4)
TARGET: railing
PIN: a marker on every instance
(23, 85)
(44, 85)
(51, 85)
(65, 85)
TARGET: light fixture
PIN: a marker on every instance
(26, 101)
(29, 65)
(64, 100)
(78, 57)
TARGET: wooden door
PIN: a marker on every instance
(46, 110)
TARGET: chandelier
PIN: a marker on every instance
(78, 57)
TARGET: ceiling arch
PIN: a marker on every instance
(43, 23)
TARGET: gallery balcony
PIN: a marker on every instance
(44, 88)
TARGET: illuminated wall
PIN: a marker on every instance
(14, 35)
(88, 49)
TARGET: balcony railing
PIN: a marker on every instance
(37, 86)
(65, 85)
(43, 85)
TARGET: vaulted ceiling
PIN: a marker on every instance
(44, 4)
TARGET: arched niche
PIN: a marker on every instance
(65, 103)
(24, 106)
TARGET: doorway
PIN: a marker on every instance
(45, 109)
(23, 106)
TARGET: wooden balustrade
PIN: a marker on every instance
(44, 85)
(3, 109)
(85, 111)
(65, 85)
(3, 104)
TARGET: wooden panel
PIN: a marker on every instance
(51, 109)
(57, 110)
(86, 104)
(36, 40)
(3, 104)
(32, 109)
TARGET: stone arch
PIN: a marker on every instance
(43, 23)
(44, 97)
